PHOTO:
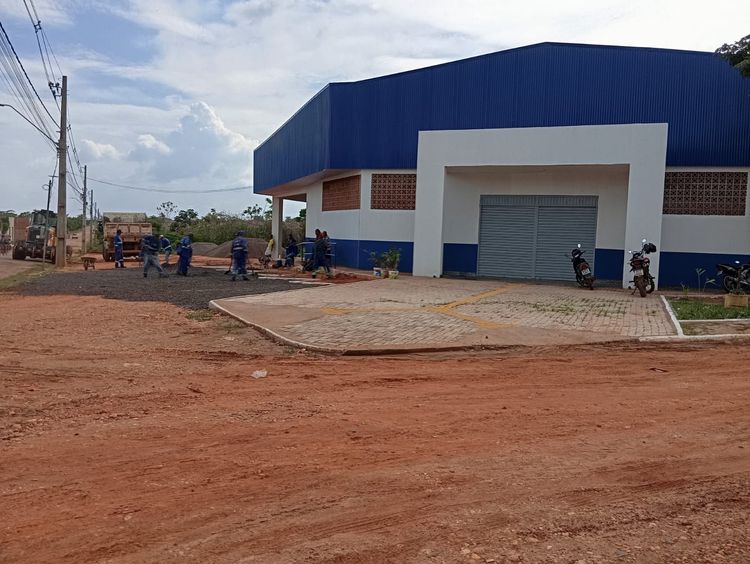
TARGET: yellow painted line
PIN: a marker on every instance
(445, 309)
(478, 297)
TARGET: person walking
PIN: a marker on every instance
(166, 246)
(239, 256)
(119, 255)
(185, 250)
(328, 248)
(291, 251)
(150, 249)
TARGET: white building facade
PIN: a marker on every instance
(502, 184)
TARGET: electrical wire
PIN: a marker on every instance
(20, 64)
(170, 190)
(17, 87)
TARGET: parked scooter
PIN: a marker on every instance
(734, 276)
(639, 266)
(581, 267)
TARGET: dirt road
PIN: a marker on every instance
(132, 433)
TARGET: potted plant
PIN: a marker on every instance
(377, 264)
(390, 259)
(736, 298)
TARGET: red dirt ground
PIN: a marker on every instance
(130, 433)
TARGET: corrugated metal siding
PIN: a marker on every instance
(532, 236)
(506, 249)
(559, 230)
(375, 123)
(298, 148)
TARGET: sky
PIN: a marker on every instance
(176, 94)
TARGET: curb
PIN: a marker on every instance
(281, 339)
(672, 316)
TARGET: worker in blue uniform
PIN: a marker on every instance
(119, 256)
(166, 246)
(185, 250)
(150, 250)
(239, 256)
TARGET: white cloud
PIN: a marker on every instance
(91, 150)
(200, 147)
(235, 70)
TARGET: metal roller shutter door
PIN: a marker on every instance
(531, 236)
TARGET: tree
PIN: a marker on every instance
(166, 209)
(737, 54)
(184, 218)
(253, 212)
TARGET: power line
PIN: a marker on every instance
(26, 74)
(170, 190)
(17, 87)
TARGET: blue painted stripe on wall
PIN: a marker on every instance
(460, 258)
(356, 254)
(609, 264)
(676, 268)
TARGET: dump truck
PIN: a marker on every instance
(132, 233)
(32, 244)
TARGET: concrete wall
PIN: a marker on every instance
(463, 188)
(691, 242)
(641, 147)
(356, 233)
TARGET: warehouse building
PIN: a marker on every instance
(498, 165)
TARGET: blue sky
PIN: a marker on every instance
(177, 93)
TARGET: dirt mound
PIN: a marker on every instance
(203, 248)
(255, 247)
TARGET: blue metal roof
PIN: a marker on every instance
(374, 124)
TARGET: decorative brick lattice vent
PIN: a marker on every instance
(341, 194)
(705, 193)
(393, 191)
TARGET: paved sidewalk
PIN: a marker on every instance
(427, 314)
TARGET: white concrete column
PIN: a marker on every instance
(646, 199)
(277, 221)
(428, 212)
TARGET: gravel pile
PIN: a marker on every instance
(203, 249)
(255, 248)
(194, 292)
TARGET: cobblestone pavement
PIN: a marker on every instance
(419, 312)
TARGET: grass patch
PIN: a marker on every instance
(700, 309)
(10, 282)
(200, 315)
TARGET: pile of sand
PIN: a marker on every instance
(203, 248)
(255, 248)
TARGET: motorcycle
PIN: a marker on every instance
(581, 268)
(639, 266)
(734, 276)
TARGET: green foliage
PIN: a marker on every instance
(737, 54)
(75, 223)
(389, 259)
(702, 309)
(166, 210)
(184, 219)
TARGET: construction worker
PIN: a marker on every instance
(119, 256)
(185, 250)
(166, 246)
(239, 256)
(150, 249)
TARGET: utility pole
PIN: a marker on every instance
(46, 225)
(62, 149)
(85, 193)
